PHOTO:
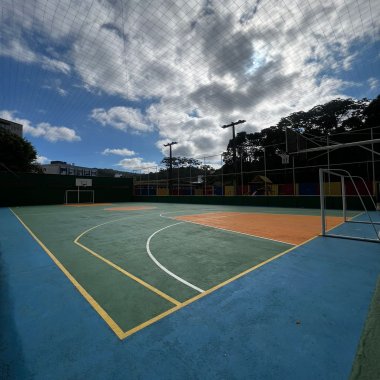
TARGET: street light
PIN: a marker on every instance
(285, 158)
(170, 165)
(234, 146)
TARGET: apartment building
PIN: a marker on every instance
(11, 127)
(63, 168)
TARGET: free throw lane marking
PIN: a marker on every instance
(164, 268)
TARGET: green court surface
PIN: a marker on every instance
(135, 266)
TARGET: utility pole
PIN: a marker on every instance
(170, 166)
(234, 147)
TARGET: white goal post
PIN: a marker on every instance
(79, 193)
(344, 176)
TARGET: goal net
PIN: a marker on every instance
(79, 196)
(82, 194)
(360, 219)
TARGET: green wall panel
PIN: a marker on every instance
(37, 189)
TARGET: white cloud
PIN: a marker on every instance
(44, 130)
(56, 85)
(52, 133)
(138, 164)
(42, 160)
(373, 83)
(204, 135)
(55, 65)
(123, 118)
(20, 51)
(118, 152)
(229, 60)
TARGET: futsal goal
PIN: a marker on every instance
(81, 194)
(364, 224)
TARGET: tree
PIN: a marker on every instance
(16, 153)
(180, 161)
(372, 113)
(337, 121)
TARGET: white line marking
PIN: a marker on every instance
(240, 233)
(225, 229)
(162, 267)
(162, 214)
(102, 224)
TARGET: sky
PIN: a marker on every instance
(107, 83)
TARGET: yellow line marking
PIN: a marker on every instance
(211, 290)
(110, 322)
(151, 321)
(130, 275)
(117, 330)
(216, 287)
(121, 270)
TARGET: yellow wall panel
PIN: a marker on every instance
(229, 190)
(332, 188)
(162, 191)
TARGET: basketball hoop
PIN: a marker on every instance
(284, 158)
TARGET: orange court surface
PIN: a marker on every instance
(291, 229)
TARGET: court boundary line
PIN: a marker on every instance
(211, 290)
(216, 287)
(103, 314)
(112, 324)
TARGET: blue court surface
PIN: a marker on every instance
(299, 316)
